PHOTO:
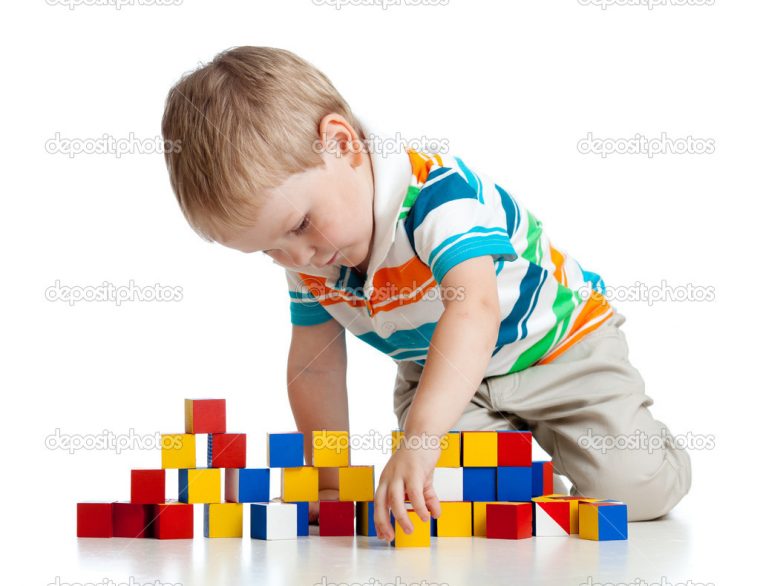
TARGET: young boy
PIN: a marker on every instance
(435, 265)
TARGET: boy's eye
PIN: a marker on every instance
(302, 226)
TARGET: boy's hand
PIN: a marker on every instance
(326, 494)
(409, 471)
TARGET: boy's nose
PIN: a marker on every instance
(301, 256)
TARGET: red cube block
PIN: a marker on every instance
(173, 521)
(132, 520)
(514, 448)
(226, 450)
(336, 518)
(205, 416)
(94, 520)
(509, 520)
(148, 486)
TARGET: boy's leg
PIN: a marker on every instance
(588, 409)
(589, 394)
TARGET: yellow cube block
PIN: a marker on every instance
(330, 449)
(479, 448)
(356, 483)
(574, 502)
(300, 484)
(396, 437)
(450, 448)
(200, 485)
(455, 519)
(450, 451)
(420, 535)
(177, 450)
(365, 523)
(479, 518)
(223, 520)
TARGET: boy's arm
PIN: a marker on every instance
(317, 385)
(460, 349)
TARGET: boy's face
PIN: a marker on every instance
(320, 216)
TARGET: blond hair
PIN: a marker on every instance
(243, 123)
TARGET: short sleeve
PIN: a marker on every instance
(305, 310)
(449, 223)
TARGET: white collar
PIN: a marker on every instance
(392, 173)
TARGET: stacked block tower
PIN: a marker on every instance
(486, 481)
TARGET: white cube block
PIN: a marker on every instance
(448, 484)
(274, 521)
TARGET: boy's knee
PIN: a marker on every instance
(648, 494)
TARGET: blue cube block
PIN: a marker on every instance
(285, 450)
(613, 522)
(480, 484)
(537, 483)
(182, 488)
(514, 483)
(365, 514)
(303, 518)
(246, 485)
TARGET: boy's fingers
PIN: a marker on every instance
(381, 511)
(418, 502)
(432, 502)
(396, 495)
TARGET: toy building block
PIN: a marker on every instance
(543, 478)
(173, 521)
(299, 484)
(506, 520)
(514, 483)
(148, 486)
(226, 450)
(515, 448)
(330, 449)
(448, 483)
(177, 450)
(450, 444)
(479, 448)
(246, 485)
(455, 520)
(132, 520)
(205, 416)
(365, 519)
(223, 520)
(336, 518)
(451, 451)
(285, 450)
(272, 521)
(420, 535)
(200, 485)
(479, 517)
(603, 520)
(551, 517)
(94, 520)
(573, 506)
(356, 483)
(302, 514)
(479, 484)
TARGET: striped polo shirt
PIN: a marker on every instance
(431, 212)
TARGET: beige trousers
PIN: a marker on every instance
(589, 411)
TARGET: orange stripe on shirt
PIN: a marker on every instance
(317, 286)
(559, 262)
(404, 284)
(596, 307)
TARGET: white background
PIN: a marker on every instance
(512, 87)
